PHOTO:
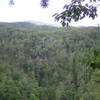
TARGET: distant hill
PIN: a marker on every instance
(29, 25)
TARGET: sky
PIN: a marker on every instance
(30, 10)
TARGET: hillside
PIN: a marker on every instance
(49, 64)
(29, 25)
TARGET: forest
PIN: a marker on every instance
(49, 63)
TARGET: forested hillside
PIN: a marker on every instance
(28, 25)
(51, 64)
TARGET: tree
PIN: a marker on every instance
(95, 63)
(76, 10)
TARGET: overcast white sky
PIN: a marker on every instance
(30, 10)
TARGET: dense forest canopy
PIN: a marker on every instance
(48, 63)
(51, 64)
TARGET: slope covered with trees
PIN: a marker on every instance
(57, 64)
(28, 25)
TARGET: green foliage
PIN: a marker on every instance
(15, 85)
(95, 62)
(49, 64)
(75, 10)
